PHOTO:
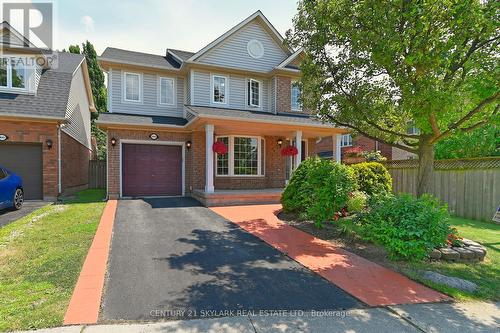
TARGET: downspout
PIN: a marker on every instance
(59, 182)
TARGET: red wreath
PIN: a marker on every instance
(289, 151)
(219, 147)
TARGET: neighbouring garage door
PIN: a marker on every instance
(26, 161)
(151, 170)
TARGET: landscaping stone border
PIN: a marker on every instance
(470, 252)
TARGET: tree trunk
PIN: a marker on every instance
(425, 167)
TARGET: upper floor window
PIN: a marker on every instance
(295, 97)
(132, 91)
(253, 93)
(12, 74)
(412, 129)
(219, 89)
(167, 91)
(346, 140)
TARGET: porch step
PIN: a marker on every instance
(238, 197)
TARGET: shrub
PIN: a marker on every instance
(373, 178)
(373, 156)
(406, 226)
(356, 201)
(318, 189)
(298, 193)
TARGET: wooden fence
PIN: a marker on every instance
(471, 187)
(97, 174)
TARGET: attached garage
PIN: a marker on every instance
(26, 161)
(152, 170)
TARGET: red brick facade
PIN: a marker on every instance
(283, 94)
(327, 145)
(74, 156)
(74, 163)
(195, 162)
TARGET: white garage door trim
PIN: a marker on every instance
(163, 143)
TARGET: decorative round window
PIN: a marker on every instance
(255, 49)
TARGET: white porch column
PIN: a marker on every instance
(338, 148)
(298, 145)
(209, 160)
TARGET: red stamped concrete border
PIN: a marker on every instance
(369, 282)
(86, 299)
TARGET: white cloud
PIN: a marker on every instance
(88, 23)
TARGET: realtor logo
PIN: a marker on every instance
(33, 20)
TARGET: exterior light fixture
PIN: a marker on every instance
(113, 142)
(188, 145)
(49, 143)
(280, 142)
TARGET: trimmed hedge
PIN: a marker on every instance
(373, 178)
(318, 189)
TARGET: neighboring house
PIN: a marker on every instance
(325, 150)
(44, 117)
(166, 111)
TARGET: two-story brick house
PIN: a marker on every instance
(167, 111)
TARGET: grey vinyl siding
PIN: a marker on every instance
(77, 111)
(237, 91)
(149, 95)
(233, 51)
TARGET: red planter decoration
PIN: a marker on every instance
(289, 151)
(219, 147)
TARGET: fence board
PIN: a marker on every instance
(97, 174)
(471, 187)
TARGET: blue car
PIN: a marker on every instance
(11, 190)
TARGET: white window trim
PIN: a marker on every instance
(124, 85)
(174, 85)
(300, 109)
(342, 140)
(248, 95)
(230, 152)
(9, 87)
(226, 89)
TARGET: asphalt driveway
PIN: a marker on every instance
(8, 215)
(174, 258)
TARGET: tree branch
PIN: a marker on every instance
(397, 145)
(469, 115)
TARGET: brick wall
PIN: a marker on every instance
(326, 144)
(74, 163)
(33, 132)
(283, 94)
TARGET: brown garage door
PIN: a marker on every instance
(151, 170)
(26, 161)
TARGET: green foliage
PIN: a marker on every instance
(406, 226)
(481, 142)
(356, 202)
(376, 66)
(318, 189)
(373, 156)
(373, 178)
(74, 49)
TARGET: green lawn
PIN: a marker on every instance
(40, 259)
(485, 274)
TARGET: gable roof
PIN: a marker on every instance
(139, 58)
(24, 41)
(286, 64)
(255, 16)
(52, 95)
(181, 55)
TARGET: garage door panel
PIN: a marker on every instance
(26, 161)
(150, 170)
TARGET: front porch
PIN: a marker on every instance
(238, 197)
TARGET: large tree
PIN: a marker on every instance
(379, 66)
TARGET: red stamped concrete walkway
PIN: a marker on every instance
(371, 283)
(86, 299)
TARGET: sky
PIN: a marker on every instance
(152, 26)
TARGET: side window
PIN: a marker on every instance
(253, 93)
(295, 97)
(219, 89)
(3, 174)
(132, 89)
(346, 140)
